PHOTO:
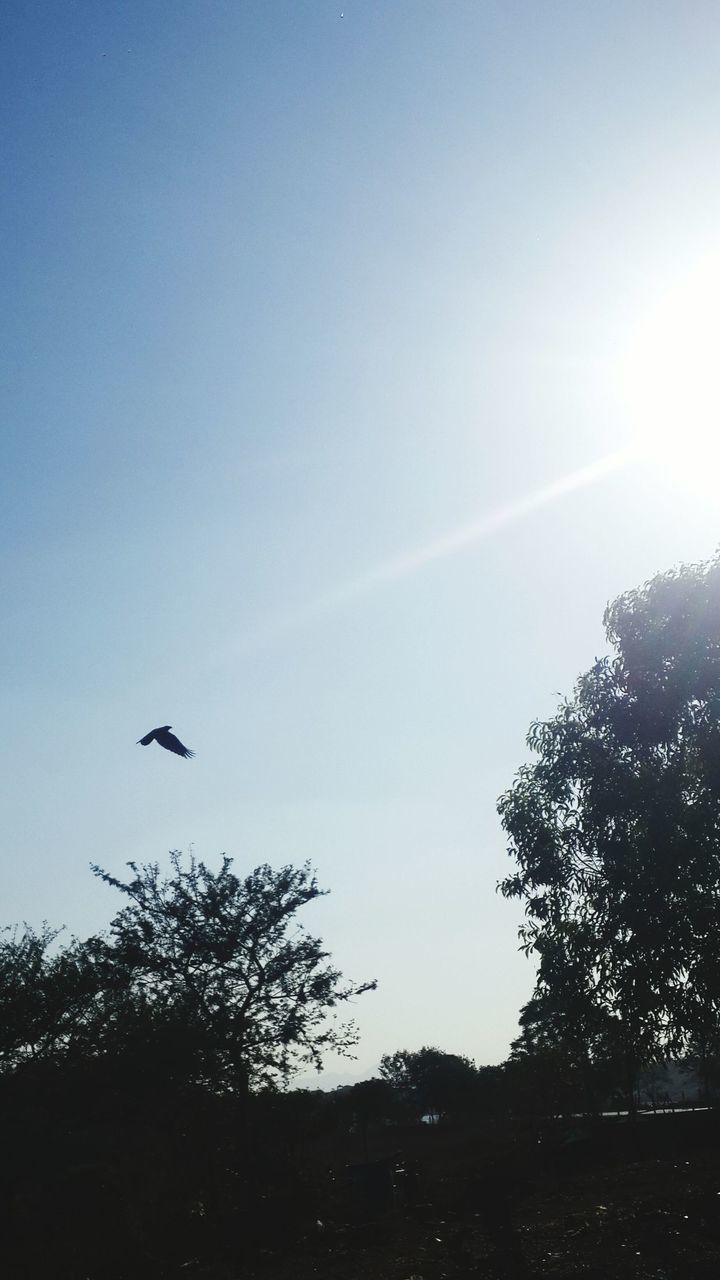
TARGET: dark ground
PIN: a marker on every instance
(626, 1199)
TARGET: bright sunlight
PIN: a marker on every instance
(670, 381)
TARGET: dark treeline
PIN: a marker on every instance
(147, 1119)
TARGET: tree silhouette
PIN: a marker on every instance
(48, 997)
(135, 1126)
(615, 829)
(217, 965)
(203, 977)
(435, 1081)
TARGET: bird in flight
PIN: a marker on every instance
(167, 740)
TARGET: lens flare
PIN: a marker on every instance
(468, 535)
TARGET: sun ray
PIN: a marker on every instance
(469, 535)
(456, 541)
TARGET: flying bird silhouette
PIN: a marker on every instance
(167, 740)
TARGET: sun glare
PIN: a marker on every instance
(670, 379)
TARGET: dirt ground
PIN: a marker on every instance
(618, 1199)
(638, 1200)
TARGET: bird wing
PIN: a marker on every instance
(171, 743)
(145, 742)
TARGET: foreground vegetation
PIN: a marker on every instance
(99, 1186)
(147, 1125)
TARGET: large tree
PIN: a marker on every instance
(615, 829)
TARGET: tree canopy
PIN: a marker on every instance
(224, 956)
(615, 829)
(202, 971)
(434, 1080)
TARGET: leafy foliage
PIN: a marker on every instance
(203, 979)
(615, 829)
(48, 997)
(434, 1080)
(221, 957)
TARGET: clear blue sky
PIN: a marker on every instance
(294, 292)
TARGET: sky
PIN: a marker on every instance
(328, 337)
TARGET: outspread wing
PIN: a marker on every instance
(145, 742)
(171, 743)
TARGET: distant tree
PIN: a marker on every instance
(435, 1081)
(700, 1067)
(653, 1085)
(615, 830)
(373, 1099)
(218, 965)
(367, 1107)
